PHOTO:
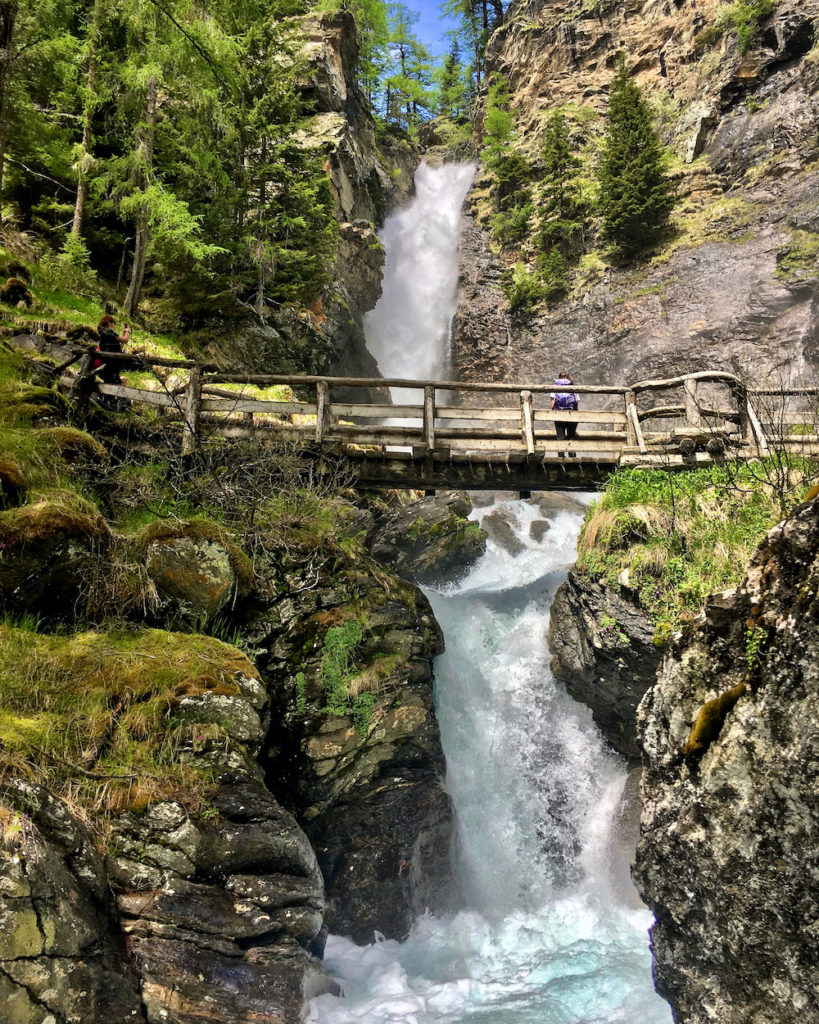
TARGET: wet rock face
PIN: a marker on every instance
(218, 912)
(728, 858)
(430, 541)
(601, 644)
(192, 915)
(360, 766)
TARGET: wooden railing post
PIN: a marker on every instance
(631, 433)
(429, 417)
(527, 422)
(83, 383)
(633, 423)
(322, 407)
(692, 411)
(193, 410)
(756, 435)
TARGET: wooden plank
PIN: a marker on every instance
(345, 410)
(673, 382)
(784, 391)
(396, 382)
(147, 361)
(635, 424)
(193, 410)
(692, 412)
(526, 423)
(159, 398)
(756, 427)
(661, 412)
(582, 416)
(258, 405)
(429, 417)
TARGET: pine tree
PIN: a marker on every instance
(562, 210)
(635, 193)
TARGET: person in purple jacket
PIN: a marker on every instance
(565, 400)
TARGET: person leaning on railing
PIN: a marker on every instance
(566, 430)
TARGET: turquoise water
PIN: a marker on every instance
(553, 932)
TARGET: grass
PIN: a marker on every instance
(96, 714)
(682, 536)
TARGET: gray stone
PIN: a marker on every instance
(728, 858)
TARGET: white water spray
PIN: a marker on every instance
(550, 933)
(408, 331)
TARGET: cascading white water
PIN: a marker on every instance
(408, 331)
(551, 933)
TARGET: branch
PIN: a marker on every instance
(37, 174)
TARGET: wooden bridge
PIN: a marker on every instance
(475, 435)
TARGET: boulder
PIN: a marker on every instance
(602, 649)
(430, 541)
(196, 569)
(727, 859)
(45, 551)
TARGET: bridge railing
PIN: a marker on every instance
(675, 417)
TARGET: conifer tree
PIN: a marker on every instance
(562, 209)
(635, 193)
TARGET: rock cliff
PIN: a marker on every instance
(602, 649)
(727, 858)
(734, 285)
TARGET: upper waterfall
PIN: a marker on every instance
(408, 331)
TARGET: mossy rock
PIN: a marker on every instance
(140, 710)
(75, 446)
(12, 484)
(197, 568)
(44, 553)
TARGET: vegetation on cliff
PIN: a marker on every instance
(671, 539)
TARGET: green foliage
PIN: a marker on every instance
(554, 274)
(744, 17)
(681, 536)
(301, 693)
(512, 226)
(755, 638)
(562, 211)
(523, 288)
(337, 656)
(635, 193)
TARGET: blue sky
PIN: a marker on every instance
(431, 27)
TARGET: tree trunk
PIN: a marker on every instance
(87, 128)
(145, 157)
(8, 16)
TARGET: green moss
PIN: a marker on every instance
(800, 258)
(94, 712)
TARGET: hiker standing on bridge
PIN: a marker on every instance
(565, 401)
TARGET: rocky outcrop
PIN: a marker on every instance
(45, 550)
(430, 541)
(602, 649)
(209, 893)
(727, 858)
(354, 749)
(734, 285)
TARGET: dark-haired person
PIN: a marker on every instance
(566, 430)
(110, 341)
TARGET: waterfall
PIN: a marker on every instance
(408, 331)
(551, 932)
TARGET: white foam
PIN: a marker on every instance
(546, 938)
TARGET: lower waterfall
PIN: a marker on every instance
(553, 933)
